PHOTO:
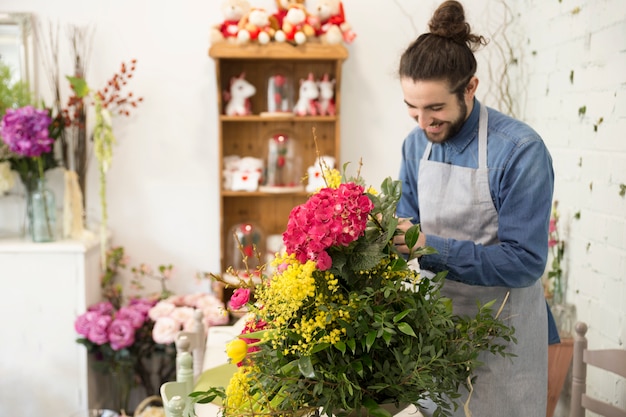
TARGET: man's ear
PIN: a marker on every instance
(470, 89)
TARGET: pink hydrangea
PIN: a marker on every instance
(331, 217)
(25, 131)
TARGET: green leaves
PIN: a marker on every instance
(79, 85)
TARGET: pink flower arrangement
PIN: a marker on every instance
(331, 217)
(102, 324)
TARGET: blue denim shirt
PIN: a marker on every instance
(521, 181)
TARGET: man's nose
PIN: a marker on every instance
(421, 118)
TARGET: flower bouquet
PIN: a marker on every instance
(345, 323)
(132, 340)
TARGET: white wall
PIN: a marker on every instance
(163, 184)
(587, 40)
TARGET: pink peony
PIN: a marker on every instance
(161, 309)
(239, 298)
(135, 315)
(121, 334)
(99, 330)
(104, 307)
(85, 321)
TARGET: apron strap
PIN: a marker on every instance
(482, 137)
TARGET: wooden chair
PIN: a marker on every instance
(197, 343)
(190, 347)
(611, 360)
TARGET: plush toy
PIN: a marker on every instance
(332, 26)
(255, 26)
(248, 174)
(238, 96)
(282, 7)
(233, 11)
(296, 26)
(315, 173)
(307, 98)
(326, 100)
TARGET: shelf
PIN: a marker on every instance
(239, 194)
(258, 118)
(308, 51)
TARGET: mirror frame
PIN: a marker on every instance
(26, 37)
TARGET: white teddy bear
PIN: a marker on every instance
(233, 11)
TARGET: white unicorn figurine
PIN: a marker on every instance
(238, 97)
(307, 97)
(326, 102)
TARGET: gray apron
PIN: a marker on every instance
(455, 202)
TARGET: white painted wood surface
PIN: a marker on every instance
(43, 288)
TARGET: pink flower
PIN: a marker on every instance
(183, 314)
(165, 330)
(134, 315)
(324, 261)
(332, 217)
(85, 321)
(552, 227)
(25, 131)
(161, 309)
(142, 304)
(98, 331)
(103, 307)
(239, 298)
(121, 334)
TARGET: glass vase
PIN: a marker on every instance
(41, 207)
(121, 381)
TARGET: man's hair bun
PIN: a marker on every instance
(448, 21)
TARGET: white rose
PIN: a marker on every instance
(165, 330)
(161, 309)
(183, 314)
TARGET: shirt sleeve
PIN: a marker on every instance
(408, 204)
(524, 203)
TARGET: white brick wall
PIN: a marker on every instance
(589, 165)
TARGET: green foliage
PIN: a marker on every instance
(13, 94)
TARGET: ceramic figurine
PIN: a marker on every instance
(238, 96)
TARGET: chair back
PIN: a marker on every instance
(610, 360)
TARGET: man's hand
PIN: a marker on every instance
(399, 242)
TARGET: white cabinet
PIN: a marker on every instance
(43, 287)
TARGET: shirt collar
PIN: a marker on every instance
(468, 132)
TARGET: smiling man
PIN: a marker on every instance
(480, 184)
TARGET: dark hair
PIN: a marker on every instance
(446, 52)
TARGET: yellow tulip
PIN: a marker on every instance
(237, 350)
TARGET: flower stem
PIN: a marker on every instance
(43, 196)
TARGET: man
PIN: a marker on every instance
(480, 185)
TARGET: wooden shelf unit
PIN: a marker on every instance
(248, 135)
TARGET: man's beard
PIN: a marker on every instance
(453, 128)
